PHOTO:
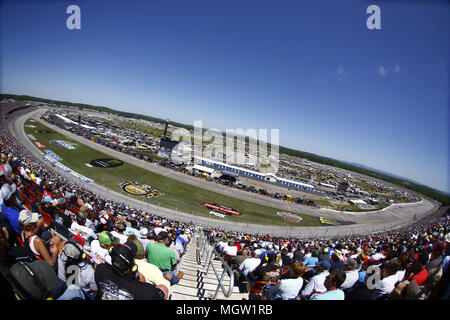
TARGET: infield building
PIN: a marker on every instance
(268, 177)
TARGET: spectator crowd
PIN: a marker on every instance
(404, 264)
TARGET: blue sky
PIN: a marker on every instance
(308, 68)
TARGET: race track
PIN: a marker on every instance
(395, 215)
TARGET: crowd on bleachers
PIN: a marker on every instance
(411, 263)
(58, 241)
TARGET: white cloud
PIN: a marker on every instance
(340, 70)
(381, 70)
(397, 68)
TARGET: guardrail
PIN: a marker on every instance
(205, 248)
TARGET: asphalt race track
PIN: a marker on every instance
(396, 215)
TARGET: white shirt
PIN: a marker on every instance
(122, 238)
(286, 289)
(222, 245)
(385, 286)
(351, 277)
(86, 275)
(401, 274)
(157, 230)
(151, 273)
(378, 256)
(99, 254)
(248, 265)
(316, 284)
(230, 250)
(83, 231)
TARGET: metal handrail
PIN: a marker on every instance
(205, 247)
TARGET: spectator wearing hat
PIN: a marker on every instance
(389, 279)
(79, 227)
(267, 273)
(163, 257)
(144, 236)
(325, 255)
(84, 212)
(100, 247)
(290, 284)
(351, 274)
(332, 284)
(119, 281)
(72, 255)
(247, 266)
(317, 283)
(337, 262)
(119, 232)
(378, 255)
(61, 215)
(46, 250)
(48, 205)
(103, 223)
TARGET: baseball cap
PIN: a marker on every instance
(49, 199)
(325, 265)
(83, 211)
(144, 232)
(338, 254)
(27, 217)
(351, 263)
(123, 256)
(79, 239)
(106, 237)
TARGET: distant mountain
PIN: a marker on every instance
(382, 172)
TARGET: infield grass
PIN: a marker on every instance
(174, 194)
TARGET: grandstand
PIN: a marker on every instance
(266, 177)
(48, 222)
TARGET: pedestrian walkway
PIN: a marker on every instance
(196, 284)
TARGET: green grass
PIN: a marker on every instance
(175, 194)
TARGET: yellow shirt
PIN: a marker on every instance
(151, 273)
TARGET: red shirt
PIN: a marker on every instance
(421, 277)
